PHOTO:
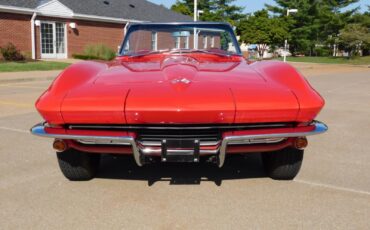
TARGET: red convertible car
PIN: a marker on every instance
(179, 92)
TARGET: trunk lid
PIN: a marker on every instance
(179, 102)
(178, 95)
(179, 90)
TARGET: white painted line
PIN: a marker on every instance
(14, 130)
(333, 187)
(23, 86)
(16, 104)
(29, 82)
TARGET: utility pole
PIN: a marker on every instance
(195, 10)
(195, 35)
(286, 40)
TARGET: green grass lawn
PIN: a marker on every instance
(31, 66)
(331, 60)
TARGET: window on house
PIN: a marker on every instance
(186, 42)
(154, 41)
(213, 41)
(177, 42)
(205, 42)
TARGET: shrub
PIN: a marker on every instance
(97, 51)
(85, 57)
(27, 55)
(11, 53)
(322, 51)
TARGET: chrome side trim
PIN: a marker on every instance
(39, 130)
(157, 152)
(319, 128)
(258, 141)
(165, 127)
(158, 143)
(102, 142)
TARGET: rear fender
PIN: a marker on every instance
(49, 103)
(310, 101)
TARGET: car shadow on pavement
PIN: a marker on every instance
(236, 167)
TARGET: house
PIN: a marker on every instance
(60, 28)
(162, 40)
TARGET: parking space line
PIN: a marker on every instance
(22, 86)
(29, 82)
(333, 187)
(23, 105)
(14, 130)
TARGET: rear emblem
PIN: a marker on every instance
(183, 80)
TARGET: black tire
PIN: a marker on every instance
(283, 164)
(78, 166)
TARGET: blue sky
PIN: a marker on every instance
(253, 5)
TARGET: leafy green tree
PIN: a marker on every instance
(363, 20)
(213, 10)
(263, 30)
(314, 23)
(182, 8)
(354, 37)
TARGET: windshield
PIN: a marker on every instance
(146, 39)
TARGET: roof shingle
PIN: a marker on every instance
(140, 10)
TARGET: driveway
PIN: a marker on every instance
(332, 190)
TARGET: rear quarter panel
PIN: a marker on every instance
(310, 101)
(49, 103)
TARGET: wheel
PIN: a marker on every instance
(283, 164)
(78, 166)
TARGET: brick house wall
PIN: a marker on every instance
(16, 28)
(142, 40)
(87, 32)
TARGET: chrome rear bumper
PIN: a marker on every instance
(318, 128)
(39, 130)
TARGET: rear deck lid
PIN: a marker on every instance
(179, 101)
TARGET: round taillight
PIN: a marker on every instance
(59, 145)
(300, 143)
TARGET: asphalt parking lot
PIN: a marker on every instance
(332, 190)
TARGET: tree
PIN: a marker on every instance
(314, 23)
(182, 8)
(354, 37)
(362, 19)
(213, 10)
(262, 30)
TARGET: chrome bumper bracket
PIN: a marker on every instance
(319, 128)
(39, 130)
